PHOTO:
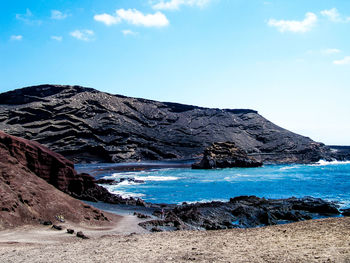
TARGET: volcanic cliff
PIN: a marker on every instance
(84, 124)
(26, 195)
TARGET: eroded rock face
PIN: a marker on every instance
(26, 198)
(243, 211)
(225, 155)
(84, 124)
(57, 170)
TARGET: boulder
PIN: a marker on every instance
(225, 155)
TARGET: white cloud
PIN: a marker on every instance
(330, 51)
(57, 38)
(334, 16)
(344, 61)
(175, 4)
(58, 15)
(129, 32)
(107, 19)
(16, 37)
(85, 35)
(293, 25)
(28, 18)
(134, 17)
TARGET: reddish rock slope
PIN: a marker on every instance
(26, 198)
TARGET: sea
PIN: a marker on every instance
(157, 183)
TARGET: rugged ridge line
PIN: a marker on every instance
(86, 125)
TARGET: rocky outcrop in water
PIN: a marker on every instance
(225, 155)
(243, 211)
(26, 198)
(84, 124)
(57, 170)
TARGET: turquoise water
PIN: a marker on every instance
(330, 181)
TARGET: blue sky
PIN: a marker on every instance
(290, 60)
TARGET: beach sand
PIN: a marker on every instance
(323, 240)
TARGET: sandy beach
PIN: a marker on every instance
(324, 240)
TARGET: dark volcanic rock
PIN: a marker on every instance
(87, 125)
(346, 212)
(58, 171)
(26, 198)
(243, 211)
(81, 235)
(225, 155)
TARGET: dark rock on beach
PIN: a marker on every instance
(225, 155)
(345, 212)
(243, 211)
(81, 235)
(86, 125)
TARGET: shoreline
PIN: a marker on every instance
(322, 240)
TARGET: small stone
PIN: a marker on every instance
(70, 231)
(57, 227)
(81, 235)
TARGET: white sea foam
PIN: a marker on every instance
(156, 178)
(289, 167)
(204, 201)
(124, 194)
(324, 162)
(126, 183)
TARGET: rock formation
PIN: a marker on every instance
(57, 170)
(84, 124)
(243, 211)
(26, 198)
(225, 155)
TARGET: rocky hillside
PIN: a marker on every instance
(84, 124)
(26, 198)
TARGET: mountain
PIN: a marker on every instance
(86, 125)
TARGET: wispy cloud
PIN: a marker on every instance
(58, 15)
(176, 4)
(127, 32)
(28, 18)
(84, 35)
(57, 38)
(344, 61)
(330, 51)
(334, 16)
(107, 19)
(295, 26)
(133, 17)
(16, 37)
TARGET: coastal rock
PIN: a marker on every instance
(58, 171)
(225, 155)
(81, 235)
(243, 211)
(26, 198)
(86, 125)
(345, 212)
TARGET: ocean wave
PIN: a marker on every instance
(324, 162)
(156, 178)
(204, 201)
(127, 183)
(289, 167)
(124, 194)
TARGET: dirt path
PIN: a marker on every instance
(326, 240)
